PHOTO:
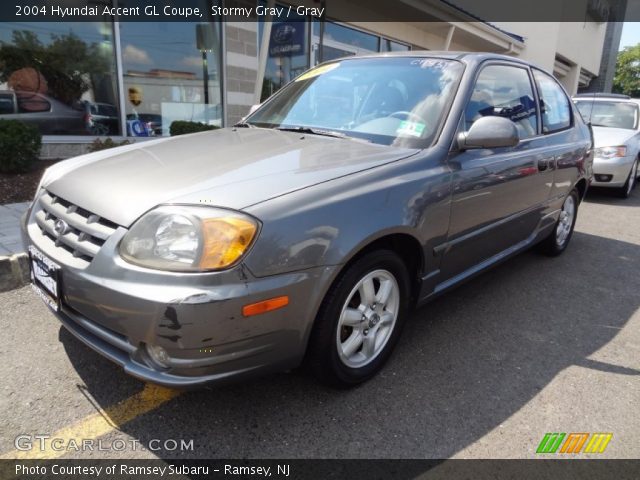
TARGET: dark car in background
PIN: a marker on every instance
(101, 119)
(51, 116)
(153, 121)
(304, 234)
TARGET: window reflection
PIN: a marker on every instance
(171, 71)
(59, 77)
(506, 92)
(387, 45)
(340, 41)
(288, 52)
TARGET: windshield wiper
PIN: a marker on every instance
(313, 131)
(244, 125)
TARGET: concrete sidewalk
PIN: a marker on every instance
(14, 267)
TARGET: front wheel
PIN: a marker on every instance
(625, 191)
(559, 238)
(360, 320)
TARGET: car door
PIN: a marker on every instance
(498, 195)
(568, 144)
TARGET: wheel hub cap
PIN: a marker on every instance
(565, 222)
(368, 318)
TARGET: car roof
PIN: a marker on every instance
(467, 57)
(605, 97)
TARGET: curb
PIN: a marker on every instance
(14, 271)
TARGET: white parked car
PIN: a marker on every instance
(616, 132)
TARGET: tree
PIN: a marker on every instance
(66, 64)
(627, 77)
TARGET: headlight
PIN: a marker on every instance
(188, 239)
(610, 152)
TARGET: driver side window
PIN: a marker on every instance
(504, 91)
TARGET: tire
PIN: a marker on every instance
(560, 236)
(627, 189)
(345, 350)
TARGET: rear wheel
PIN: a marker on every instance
(559, 238)
(625, 191)
(360, 320)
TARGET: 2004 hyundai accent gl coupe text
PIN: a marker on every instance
(305, 233)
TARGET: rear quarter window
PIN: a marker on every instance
(554, 103)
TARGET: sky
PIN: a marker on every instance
(630, 34)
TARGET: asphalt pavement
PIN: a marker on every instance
(536, 345)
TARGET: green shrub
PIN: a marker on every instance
(99, 144)
(180, 127)
(19, 146)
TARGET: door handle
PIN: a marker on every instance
(546, 163)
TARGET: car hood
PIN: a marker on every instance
(611, 137)
(232, 168)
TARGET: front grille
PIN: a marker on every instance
(84, 234)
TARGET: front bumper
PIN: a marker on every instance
(117, 309)
(617, 168)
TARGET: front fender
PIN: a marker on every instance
(329, 223)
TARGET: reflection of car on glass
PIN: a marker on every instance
(152, 122)
(615, 120)
(51, 116)
(305, 233)
(101, 118)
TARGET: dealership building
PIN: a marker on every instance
(80, 80)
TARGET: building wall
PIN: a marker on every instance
(604, 81)
(576, 46)
(242, 68)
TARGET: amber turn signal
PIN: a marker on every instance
(225, 241)
(265, 306)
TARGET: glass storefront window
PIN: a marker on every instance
(171, 71)
(288, 53)
(340, 41)
(60, 77)
(387, 45)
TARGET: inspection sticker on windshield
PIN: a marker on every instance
(317, 71)
(412, 129)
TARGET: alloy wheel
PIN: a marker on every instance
(565, 223)
(368, 318)
(632, 177)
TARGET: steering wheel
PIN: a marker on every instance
(408, 115)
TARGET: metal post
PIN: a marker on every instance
(264, 51)
(205, 76)
(117, 50)
(447, 41)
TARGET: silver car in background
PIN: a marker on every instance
(307, 232)
(615, 120)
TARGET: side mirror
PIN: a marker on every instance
(253, 108)
(489, 132)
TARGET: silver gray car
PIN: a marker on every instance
(306, 233)
(615, 120)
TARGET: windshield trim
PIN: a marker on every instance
(446, 110)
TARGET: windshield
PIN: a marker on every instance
(609, 114)
(391, 101)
